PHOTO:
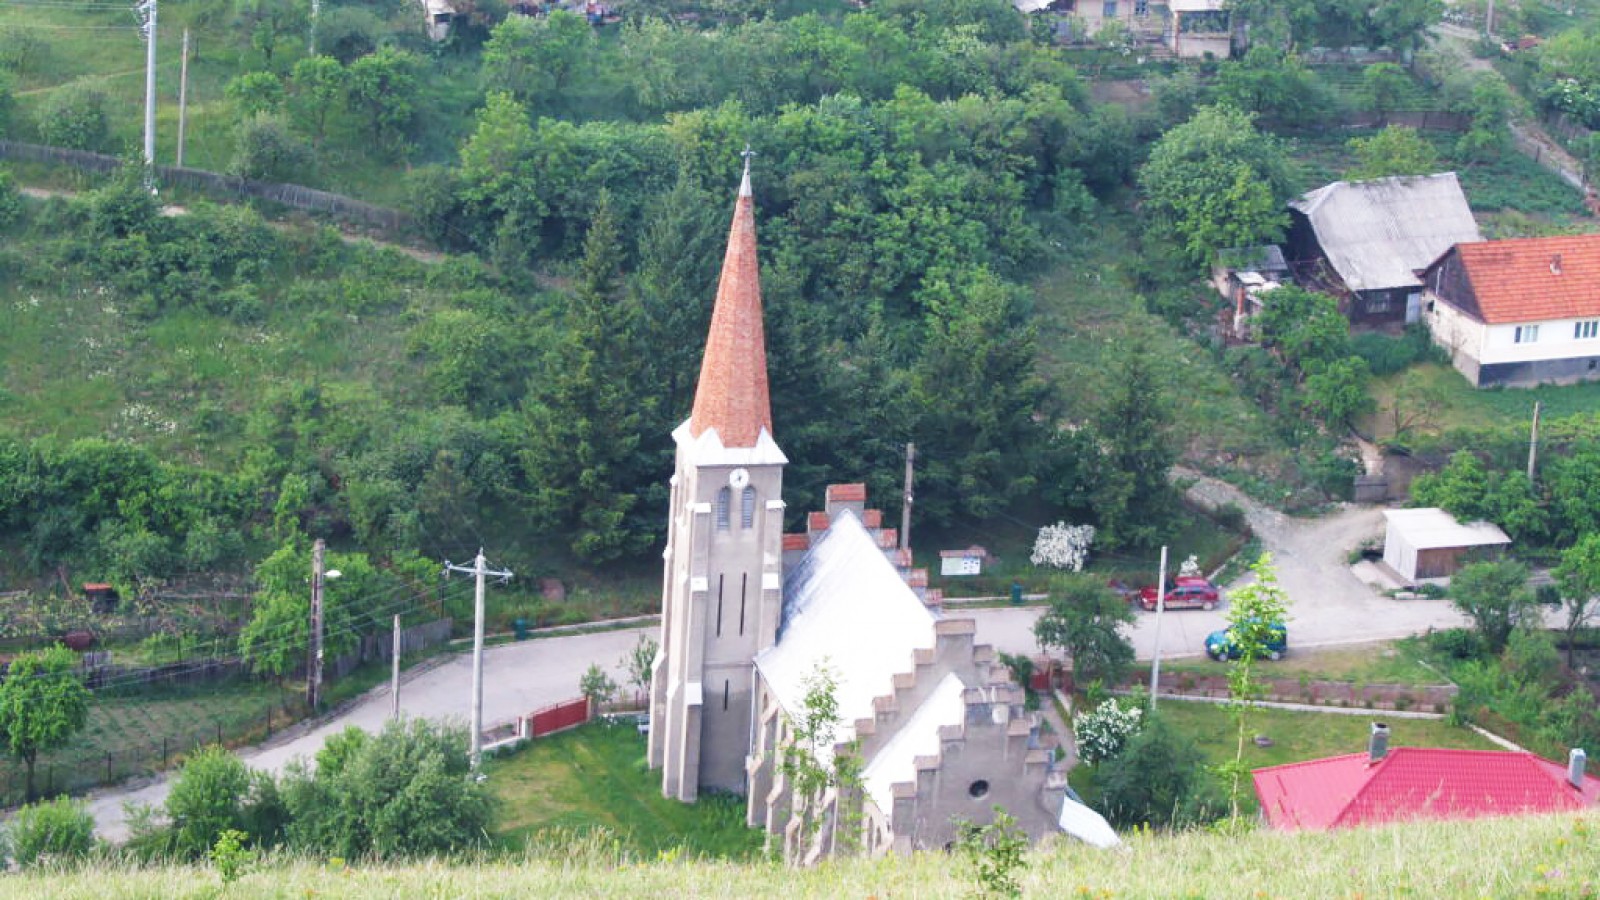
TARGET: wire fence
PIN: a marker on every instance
(291, 195)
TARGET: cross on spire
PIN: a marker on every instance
(744, 183)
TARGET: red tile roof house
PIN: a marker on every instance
(1518, 312)
(1406, 783)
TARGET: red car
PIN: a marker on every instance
(1186, 593)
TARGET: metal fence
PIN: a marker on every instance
(291, 195)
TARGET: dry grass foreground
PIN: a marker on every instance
(1556, 856)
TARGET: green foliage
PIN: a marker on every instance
(382, 87)
(266, 23)
(1255, 613)
(1086, 620)
(74, 117)
(1470, 491)
(597, 686)
(1336, 392)
(230, 857)
(315, 87)
(813, 764)
(639, 663)
(50, 832)
(1579, 579)
(1495, 596)
(10, 199)
(535, 59)
(269, 151)
(1303, 326)
(255, 94)
(43, 704)
(1133, 493)
(1274, 85)
(1382, 86)
(995, 854)
(1214, 183)
(1158, 780)
(1400, 24)
(204, 803)
(1396, 150)
(1104, 731)
(408, 792)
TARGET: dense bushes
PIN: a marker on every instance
(50, 831)
(1159, 779)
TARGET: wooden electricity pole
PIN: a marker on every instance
(1533, 442)
(905, 500)
(314, 664)
(183, 96)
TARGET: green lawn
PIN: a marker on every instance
(595, 778)
(1459, 405)
(1296, 737)
(1390, 662)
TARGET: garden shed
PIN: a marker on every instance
(1430, 545)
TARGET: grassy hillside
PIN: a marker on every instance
(1556, 856)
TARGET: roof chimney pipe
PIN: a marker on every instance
(1577, 761)
(1378, 742)
(1555, 264)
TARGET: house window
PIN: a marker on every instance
(747, 507)
(724, 497)
(1378, 304)
(1110, 9)
(1141, 8)
(1583, 331)
(1527, 334)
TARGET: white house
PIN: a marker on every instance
(1518, 312)
(1430, 545)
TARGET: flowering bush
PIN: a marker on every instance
(1190, 568)
(1103, 732)
(1063, 546)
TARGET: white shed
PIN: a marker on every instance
(1430, 545)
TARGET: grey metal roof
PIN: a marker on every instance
(1377, 233)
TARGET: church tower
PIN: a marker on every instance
(721, 592)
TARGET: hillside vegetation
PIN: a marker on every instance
(1556, 856)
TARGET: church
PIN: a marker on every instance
(935, 729)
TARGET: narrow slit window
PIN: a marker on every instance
(719, 605)
(747, 507)
(724, 694)
(744, 591)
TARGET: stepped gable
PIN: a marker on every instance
(922, 736)
(845, 605)
(732, 395)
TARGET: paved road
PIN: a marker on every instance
(1328, 604)
(518, 678)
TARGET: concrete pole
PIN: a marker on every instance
(314, 666)
(480, 568)
(905, 501)
(1533, 442)
(1161, 606)
(1488, 21)
(394, 678)
(150, 87)
(183, 96)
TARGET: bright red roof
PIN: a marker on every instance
(1534, 279)
(732, 394)
(1412, 783)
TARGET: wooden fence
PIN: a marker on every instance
(380, 645)
(291, 195)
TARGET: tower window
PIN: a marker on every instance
(744, 590)
(725, 693)
(724, 497)
(747, 507)
(978, 788)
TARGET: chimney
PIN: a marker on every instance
(1577, 760)
(1555, 264)
(1378, 743)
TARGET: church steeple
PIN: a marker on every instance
(732, 394)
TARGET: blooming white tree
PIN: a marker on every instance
(1063, 546)
(1102, 732)
(1190, 568)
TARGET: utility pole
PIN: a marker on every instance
(314, 664)
(149, 10)
(479, 570)
(1533, 442)
(1161, 606)
(905, 501)
(1488, 21)
(316, 10)
(394, 678)
(183, 95)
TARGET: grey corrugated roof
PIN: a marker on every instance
(1378, 233)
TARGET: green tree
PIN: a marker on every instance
(268, 22)
(266, 150)
(1579, 579)
(205, 799)
(1132, 495)
(74, 116)
(535, 60)
(1274, 84)
(813, 763)
(1215, 182)
(1490, 103)
(1336, 391)
(1573, 484)
(1469, 491)
(1085, 621)
(996, 853)
(1383, 85)
(43, 704)
(584, 416)
(315, 86)
(639, 663)
(1495, 596)
(50, 832)
(597, 687)
(255, 93)
(382, 86)
(1255, 612)
(1158, 780)
(1303, 326)
(1396, 150)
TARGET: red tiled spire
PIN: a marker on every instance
(732, 394)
